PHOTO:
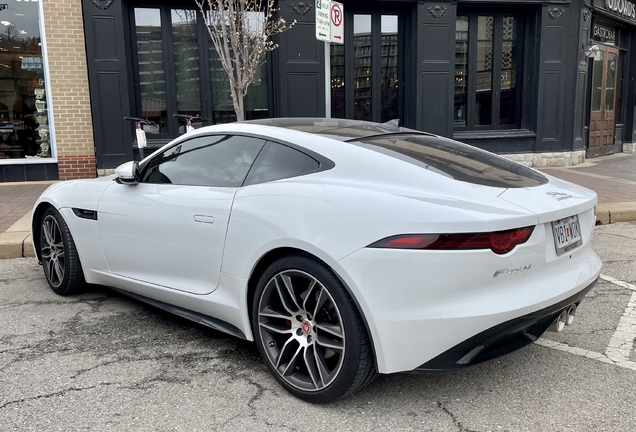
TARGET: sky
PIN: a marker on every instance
(23, 14)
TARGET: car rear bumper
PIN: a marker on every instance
(419, 305)
(501, 339)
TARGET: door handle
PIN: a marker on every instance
(204, 219)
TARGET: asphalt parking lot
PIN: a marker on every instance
(102, 361)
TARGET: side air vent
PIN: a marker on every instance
(85, 214)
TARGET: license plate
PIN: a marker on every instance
(567, 234)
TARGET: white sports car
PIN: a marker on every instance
(344, 249)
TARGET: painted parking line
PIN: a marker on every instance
(620, 283)
(622, 341)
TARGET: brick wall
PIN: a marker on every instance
(70, 97)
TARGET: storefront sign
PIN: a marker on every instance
(603, 34)
(622, 7)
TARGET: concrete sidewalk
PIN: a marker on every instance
(16, 201)
(612, 177)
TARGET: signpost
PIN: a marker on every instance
(330, 29)
(323, 23)
(337, 23)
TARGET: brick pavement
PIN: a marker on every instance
(613, 178)
(17, 199)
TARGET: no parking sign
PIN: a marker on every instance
(336, 16)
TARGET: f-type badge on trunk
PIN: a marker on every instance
(511, 271)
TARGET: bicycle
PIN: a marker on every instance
(140, 133)
(189, 118)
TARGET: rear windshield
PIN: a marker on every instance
(455, 160)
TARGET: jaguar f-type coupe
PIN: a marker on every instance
(343, 249)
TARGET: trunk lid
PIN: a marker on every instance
(552, 201)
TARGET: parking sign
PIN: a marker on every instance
(336, 16)
(323, 22)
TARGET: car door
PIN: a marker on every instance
(169, 230)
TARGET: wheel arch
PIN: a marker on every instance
(38, 212)
(274, 254)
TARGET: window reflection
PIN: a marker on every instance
(610, 81)
(510, 63)
(362, 67)
(485, 25)
(256, 106)
(597, 81)
(186, 61)
(256, 101)
(461, 70)
(389, 55)
(152, 81)
(24, 120)
(337, 81)
(488, 71)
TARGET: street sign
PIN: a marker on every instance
(323, 23)
(337, 22)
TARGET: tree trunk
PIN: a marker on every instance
(237, 101)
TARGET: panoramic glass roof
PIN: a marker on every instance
(340, 129)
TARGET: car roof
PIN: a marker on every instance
(338, 129)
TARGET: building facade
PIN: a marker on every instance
(546, 83)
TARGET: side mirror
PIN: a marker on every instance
(127, 173)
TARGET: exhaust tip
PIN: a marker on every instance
(559, 323)
(571, 311)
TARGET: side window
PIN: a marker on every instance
(205, 161)
(278, 161)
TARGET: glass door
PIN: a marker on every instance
(366, 72)
(603, 101)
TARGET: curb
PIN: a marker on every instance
(608, 213)
(16, 241)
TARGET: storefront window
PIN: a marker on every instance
(488, 67)
(362, 67)
(179, 72)
(24, 118)
(483, 109)
(186, 61)
(152, 78)
(461, 70)
(337, 80)
(389, 70)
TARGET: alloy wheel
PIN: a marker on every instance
(301, 330)
(53, 253)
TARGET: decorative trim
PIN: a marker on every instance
(586, 15)
(555, 12)
(103, 4)
(437, 11)
(301, 8)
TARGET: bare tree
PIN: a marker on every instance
(11, 32)
(241, 32)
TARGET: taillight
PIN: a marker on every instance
(500, 242)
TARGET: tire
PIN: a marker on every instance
(309, 332)
(60, 260)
